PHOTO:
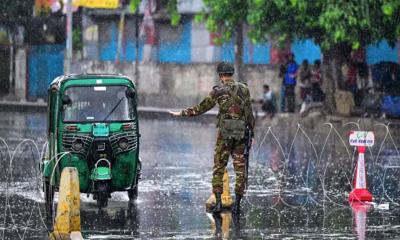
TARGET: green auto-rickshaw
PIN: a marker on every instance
(93, 126)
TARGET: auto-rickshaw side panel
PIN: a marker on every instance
(124, 170)
(49, 172)
(73, 159)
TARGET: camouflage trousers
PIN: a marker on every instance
(224, 149)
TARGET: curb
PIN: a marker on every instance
(143, 111)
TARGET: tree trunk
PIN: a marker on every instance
(11, 90)
(332, 71)
(330, 77)
(239, 52)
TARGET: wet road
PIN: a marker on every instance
(299, 180)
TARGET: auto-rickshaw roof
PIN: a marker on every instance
(56, 83)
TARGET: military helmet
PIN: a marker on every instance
(225, 68)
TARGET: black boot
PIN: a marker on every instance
(236, 206)
(218, 225)
(218, 203)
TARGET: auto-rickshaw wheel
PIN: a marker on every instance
(48, 190)
(102, 194)
(133, 192)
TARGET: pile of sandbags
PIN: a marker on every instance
(344, 102)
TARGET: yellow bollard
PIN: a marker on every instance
(224, 224)
(67, 225)
(226, 198)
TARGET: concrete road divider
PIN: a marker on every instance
(67, 225)
(226, 198)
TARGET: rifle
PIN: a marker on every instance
(247, 147)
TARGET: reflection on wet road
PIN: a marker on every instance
(299, 178)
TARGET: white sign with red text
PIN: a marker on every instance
(362, 139)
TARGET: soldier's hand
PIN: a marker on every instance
(173, 113)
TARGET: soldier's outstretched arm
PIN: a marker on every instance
(173, 113)
(205, 105)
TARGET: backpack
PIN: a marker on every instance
(235, 128)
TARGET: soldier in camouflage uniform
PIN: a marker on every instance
(235, 115)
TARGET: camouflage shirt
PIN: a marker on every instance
(234, 102)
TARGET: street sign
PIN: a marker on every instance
(110, 4)
(361, 139)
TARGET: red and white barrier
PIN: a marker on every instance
(361, 140)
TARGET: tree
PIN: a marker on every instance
(352, 22)
(12, 14)
(15, 9)
(338, 26)
(227, 18)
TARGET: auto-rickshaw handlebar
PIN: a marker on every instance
(101, 160)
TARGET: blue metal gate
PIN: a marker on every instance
(46, 62)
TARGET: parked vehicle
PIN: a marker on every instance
(93, 126)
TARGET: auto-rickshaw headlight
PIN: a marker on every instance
(77, 145)
(123, 143)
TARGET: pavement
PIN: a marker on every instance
(284, 199)
(162, 113)
(150, 112)
(41, 106)
(143, 111)
(23, 105)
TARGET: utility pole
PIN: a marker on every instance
(69, 38)
(12, 60)
(121, 27)
(137, 74)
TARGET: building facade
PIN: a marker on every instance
(167, 55)
(189, 42)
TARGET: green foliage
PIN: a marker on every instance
(77, 38)
(172, 8)
(389, 7)
(171, 5)
(223, 16)
(133, 5)
(15, 9)
(4, 38)
(12, 13)
(328, 22)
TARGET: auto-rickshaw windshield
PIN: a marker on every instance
(97, 104)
